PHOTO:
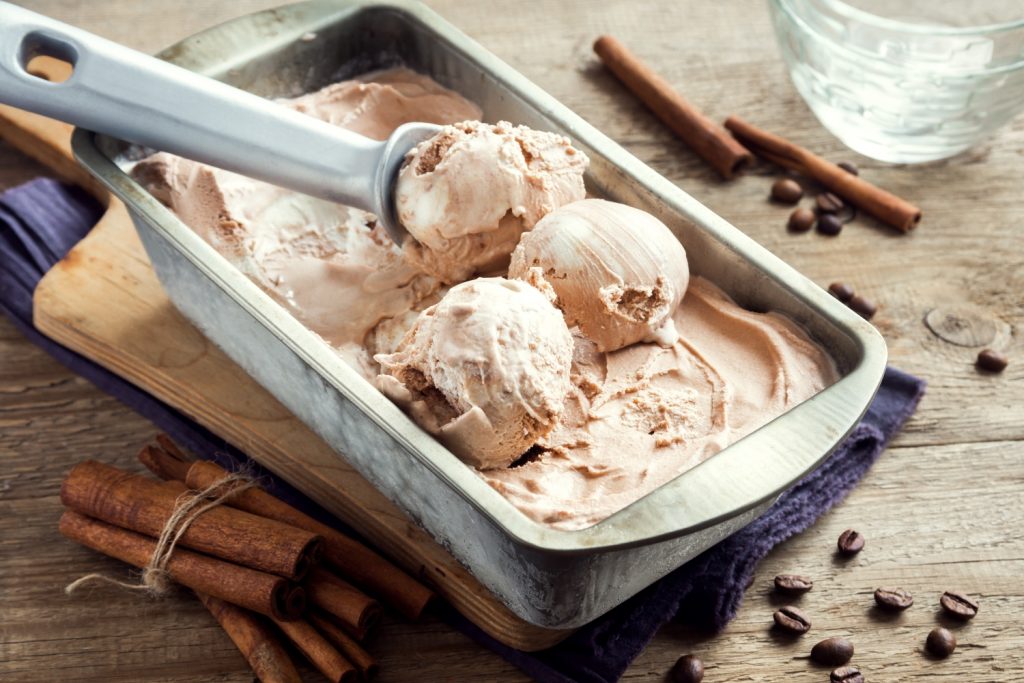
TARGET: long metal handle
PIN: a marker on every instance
(130, 95)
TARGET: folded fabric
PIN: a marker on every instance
(42, 220)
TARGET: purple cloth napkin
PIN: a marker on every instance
(42, 220)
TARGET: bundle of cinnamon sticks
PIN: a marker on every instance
(261, 567)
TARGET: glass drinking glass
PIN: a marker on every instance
(906, 80)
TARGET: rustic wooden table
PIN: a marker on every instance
(943, 507)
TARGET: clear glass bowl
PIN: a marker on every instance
(906, 80)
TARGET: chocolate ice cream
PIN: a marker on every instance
(486, 370)
(619, 273)
(640, 416)
(330, 265)
(648, 373)
(468, 193)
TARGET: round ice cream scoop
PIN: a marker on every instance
(486, 370)
(618, 272)
(135, 97)
(467, 193)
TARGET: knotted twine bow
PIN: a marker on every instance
(155, 579)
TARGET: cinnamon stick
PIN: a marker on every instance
(319, 651)
(143, 505)
(700, 133)
(349, 648)
(883, 205)
(257, 591)
(355, 611)
(258, 643)
(167, 443)
(351, 559)
(163, 464)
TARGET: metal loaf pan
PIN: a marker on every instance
(556, 579)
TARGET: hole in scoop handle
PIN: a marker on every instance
(45, 44)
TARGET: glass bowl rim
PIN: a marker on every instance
(863, 16)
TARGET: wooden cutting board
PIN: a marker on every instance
(103, 301)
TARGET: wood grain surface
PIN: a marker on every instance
(943, 507)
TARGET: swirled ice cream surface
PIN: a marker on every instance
(632, 419)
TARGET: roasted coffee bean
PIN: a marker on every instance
(865, 308)
(850, 542)
(792, 620)
(841, 291)
(829, 203)
(829, 224)
(849, 167)
(893, 598)
(846, 674)
(793, 583)
(687, 669)
(991, 360)
(801, 220)
(847, 215)
(787, 191)
(834, 651)
(941, 642)
(958, 605)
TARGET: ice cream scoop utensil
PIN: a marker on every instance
(123, 93)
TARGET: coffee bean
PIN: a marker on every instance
(991, 360)
(687, 669)
(829, 224)
(793, 583)
(787, 191)
(846, 674)
(832, 651)
(865, 308)
(792, 620)
(849, 167)
(941, 642)
(893, 598)
(958, 605)
(847, 215)
(829, 203)
(850, 542)
(801, 220)
(841, 291)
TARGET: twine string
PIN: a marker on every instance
(155, 579)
